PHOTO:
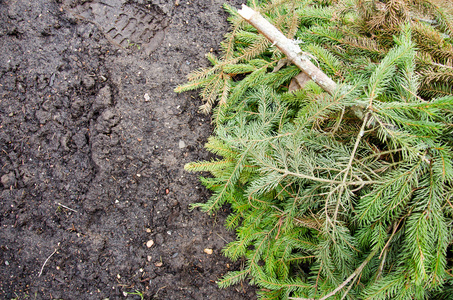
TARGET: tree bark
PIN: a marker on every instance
(288, 47)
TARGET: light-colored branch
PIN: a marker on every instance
(344, 283)
(67, 207)
(351, 161)
(42, 268)
(285, 172)
(288, 47)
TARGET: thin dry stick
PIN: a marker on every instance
(42, 268)
(67, 207)
(288, 47)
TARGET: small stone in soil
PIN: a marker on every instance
(149, 243)
(207, 251)
(159, 264)
(182, 144)
(8, 179)
(147, 97)
(88, 82)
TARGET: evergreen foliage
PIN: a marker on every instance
(346, 196)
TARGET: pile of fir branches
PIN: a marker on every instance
(342, 196)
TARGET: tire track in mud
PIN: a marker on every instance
(126, 25)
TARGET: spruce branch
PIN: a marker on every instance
(356, 273)
(339, 196)
(350, 163)
(288, 47)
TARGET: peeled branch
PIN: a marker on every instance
(288, 47)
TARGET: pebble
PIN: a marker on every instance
(159, 264)
(21, 88)
(6, 262)
(149, 243)
(52, 79)
(148, 230)
(149, 258)
(88, 82)
(103, 99)
(147, 97)
(207, 251)
(159, 239)
(43, 116)
(8, 180)
(182, 144)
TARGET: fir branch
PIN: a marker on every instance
(438, 89)
(233, 278)
(444, 75)
(317, 181)
(345, 44)
(344, 283)
(219, 197)
(226, 89)
(349, 166)
(333, 64)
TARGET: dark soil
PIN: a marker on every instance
(93, 143)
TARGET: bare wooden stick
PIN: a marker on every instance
(42, 268)
(288, 47)
(67, 207)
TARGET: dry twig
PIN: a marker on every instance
(288, 47)
(43, 265)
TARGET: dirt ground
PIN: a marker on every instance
(93, 143)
